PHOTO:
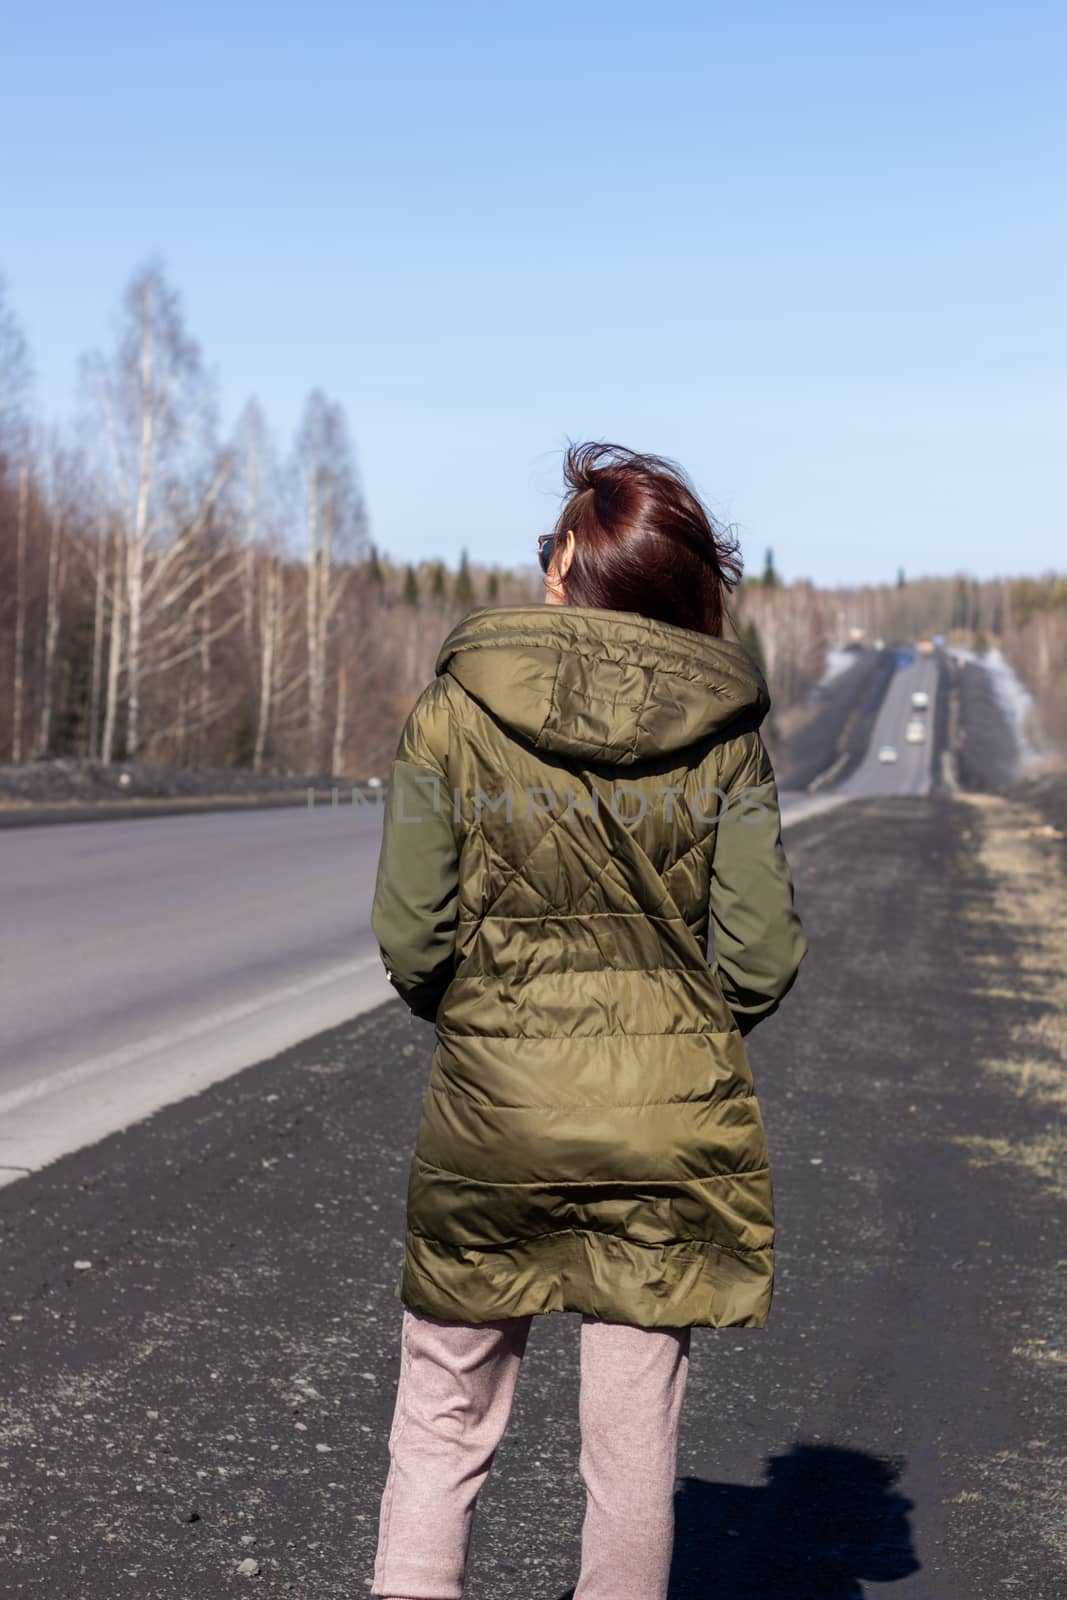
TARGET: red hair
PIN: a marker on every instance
(643, 541)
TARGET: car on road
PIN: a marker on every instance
(887, 754)
(915, 732)
(920, 700)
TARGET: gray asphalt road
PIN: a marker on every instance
(144, 960)
(910, 773)
(200, 1326)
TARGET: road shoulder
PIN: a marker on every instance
(200, 1319)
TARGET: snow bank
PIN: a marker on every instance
(1017, 703)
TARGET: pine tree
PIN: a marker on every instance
(464, 590)
(493, 589)
(748, 636)
(411, 587)
(770, 579)
(437, 582)
(959, 604)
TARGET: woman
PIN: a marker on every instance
(577, 795)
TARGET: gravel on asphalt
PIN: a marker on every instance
(200, 1321)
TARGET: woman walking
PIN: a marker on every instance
(578, 798)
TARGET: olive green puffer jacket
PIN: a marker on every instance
(573, 794)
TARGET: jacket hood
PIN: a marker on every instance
(601, 686)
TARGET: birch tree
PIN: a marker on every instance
(335, 526)
(15, 386)
(261, 513)
(156, 405)
(792, 623)
(18, 693)
(270, 617)
(16, 383)
(117, 587)
(97, 547)
(62, 499)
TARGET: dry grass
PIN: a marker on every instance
(1041, 1351)
(1026, 913)
(1045, 1157)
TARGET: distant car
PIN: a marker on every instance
(915, 732)
(887, 754)
(920, 700)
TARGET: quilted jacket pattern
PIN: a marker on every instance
(578, 799)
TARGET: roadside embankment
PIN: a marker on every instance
(94, 791)
(987, 740)
(831, 737)
(987, 757)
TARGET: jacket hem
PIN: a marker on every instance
(672, 1285)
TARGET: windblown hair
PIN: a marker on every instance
(643, 541)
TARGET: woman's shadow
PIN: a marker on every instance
(826, 1520)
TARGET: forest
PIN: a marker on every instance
(173, 595)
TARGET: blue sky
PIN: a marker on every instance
(815, 252)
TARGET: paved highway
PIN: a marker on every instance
(911, 772)
(144, 960)
(214, 1380)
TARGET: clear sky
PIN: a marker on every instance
(815, 252)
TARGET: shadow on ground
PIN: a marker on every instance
(826, 1521)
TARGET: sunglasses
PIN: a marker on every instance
(546, 549)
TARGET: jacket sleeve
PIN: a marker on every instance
(417, 889)
(759, 942)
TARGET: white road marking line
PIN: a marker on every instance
(817, 806)
(67, 1077)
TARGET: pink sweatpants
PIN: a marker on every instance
(452, 1405)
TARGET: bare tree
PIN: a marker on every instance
(16, 382)
(18, 708)
(61, 473)
(15, 386)
(115, 640)
(340, 725)
(335, 526)
(97, 554)
(252, 447)
(791, 622)
(270, 621)
(288, 675)
(157, 407)
(262, 515)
